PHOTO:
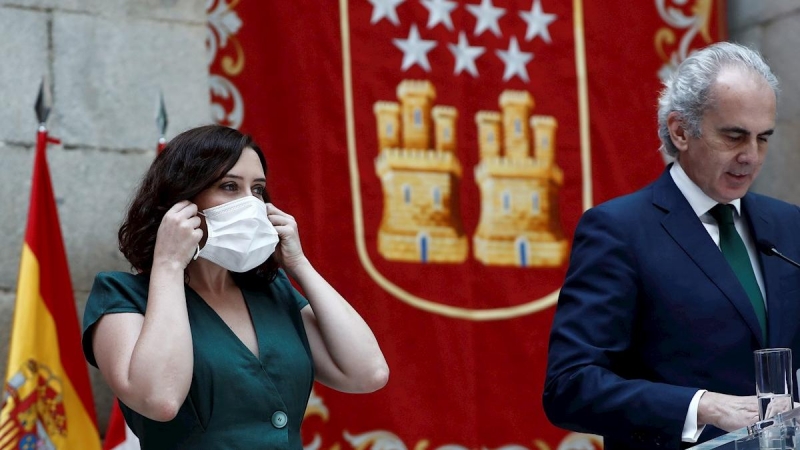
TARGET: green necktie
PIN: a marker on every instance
(735, 252)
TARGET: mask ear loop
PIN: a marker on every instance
(197, 252)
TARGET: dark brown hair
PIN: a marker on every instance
(190, 163)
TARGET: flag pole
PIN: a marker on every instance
(47, 397)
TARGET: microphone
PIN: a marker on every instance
(768, 248)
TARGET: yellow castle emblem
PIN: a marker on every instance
(421, 220)
(519, 221)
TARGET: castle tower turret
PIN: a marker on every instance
(444, 119)
(544, 135)
(420, 175)
(489, 135)
(519, 223)
(387, 115)
(416, 98)
(516, 106)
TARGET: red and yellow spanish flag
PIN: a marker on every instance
(47, 398)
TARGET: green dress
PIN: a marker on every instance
(236, 400)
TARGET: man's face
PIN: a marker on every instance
(726, 158)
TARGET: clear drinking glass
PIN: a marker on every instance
(773, 381)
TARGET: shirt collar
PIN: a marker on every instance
(698, 200)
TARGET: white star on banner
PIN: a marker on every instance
(385, 8)
(487, 15)
(465, 55)
(415, 50)
(515, 61)
(439, 12)
(537, 21)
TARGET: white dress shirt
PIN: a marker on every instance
(702, 204)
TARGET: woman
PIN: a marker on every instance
(209, 345)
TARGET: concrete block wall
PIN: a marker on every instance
(106, 61)
(773, 27)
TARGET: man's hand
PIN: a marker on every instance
(727, 412)
(778, 405)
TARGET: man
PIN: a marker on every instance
(653, 338)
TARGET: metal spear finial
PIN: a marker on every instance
(161, 115)
(44, 101)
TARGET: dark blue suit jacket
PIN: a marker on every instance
(650, 312)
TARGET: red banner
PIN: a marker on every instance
(437, 156)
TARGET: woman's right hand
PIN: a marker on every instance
(178, 236)
(147, 359)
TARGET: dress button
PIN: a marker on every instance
(279, 419)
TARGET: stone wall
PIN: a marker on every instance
(773, 27)
(106, 61)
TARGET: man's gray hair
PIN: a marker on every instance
(687, 89)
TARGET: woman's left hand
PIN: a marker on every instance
(289, 251)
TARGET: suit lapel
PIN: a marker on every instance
(685, 228)
(761, 228)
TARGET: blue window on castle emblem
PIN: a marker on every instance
(506, 202)
(389, 130)
(522, 249)
(490, 137)
(437, 197)
(446, 133)
(407, 193)
(517, 126)
(535, 206)
(545, 142)
(417, 117)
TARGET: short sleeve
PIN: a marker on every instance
(282, 287)
(112, 292)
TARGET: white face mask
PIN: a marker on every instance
(240, 236)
